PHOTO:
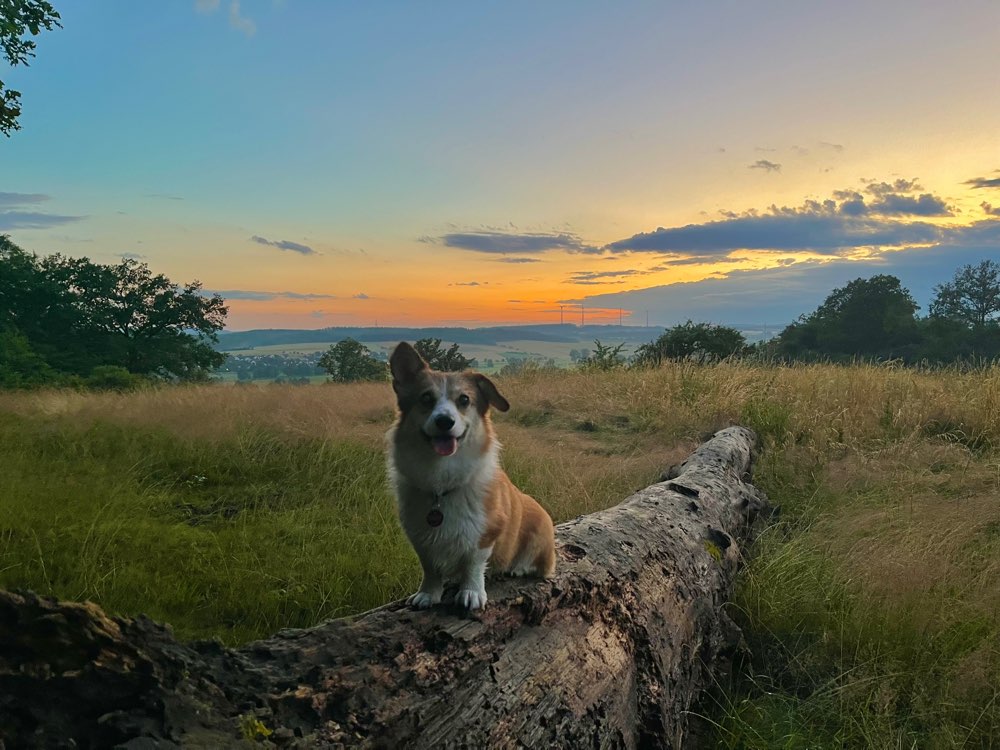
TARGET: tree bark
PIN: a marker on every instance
(614, 651)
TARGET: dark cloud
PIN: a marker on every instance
(832, 146)
(469, 283)
(10, 218)
(767, 166)
(885, 188)
(690, 260)
(132, 256)
(984, 182)
(264, 296)
(989, 209)
(361, 295)
(13, 200)
(287, 245)
(594, 275)
(893, 204)
(33, 220)
(832, 226)
(518, 260)
(490, 241)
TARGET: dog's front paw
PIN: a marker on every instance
(423, 600)
(471, 599)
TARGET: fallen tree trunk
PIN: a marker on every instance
(613, 652)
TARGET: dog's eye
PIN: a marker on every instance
(462, 400)
(427, 398)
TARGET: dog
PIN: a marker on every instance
(458, 508)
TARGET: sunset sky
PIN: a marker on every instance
(470, 163)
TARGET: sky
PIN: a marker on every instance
(328, 163)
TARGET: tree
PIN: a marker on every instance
(439, 358)
(146, 323)
(874, 318)
(349, 360)
(18, 17)
(605, 357)
(972, 296)
(78, 315)
(20, 366)
(702, 340)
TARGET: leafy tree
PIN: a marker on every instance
(78, 315)
(439, 358)
(20, 366)
(605, 357)
(872, 318)
(971, 297)
(18, 17)
(703, 340)
(349, 360)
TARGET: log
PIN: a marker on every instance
(614, 651)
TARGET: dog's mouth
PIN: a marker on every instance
(445, 445)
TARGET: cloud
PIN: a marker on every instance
(264, 296)
(832, 226)
(989, 209)
(294, 247)
(469, 283)
(240, 22)
(13, 200)
(518, 260)
(361, 295)
(767, 166)
(588, 277)
(984, 182)
(12, 218)
(491, 241)
(832, 146)
(236, 18)
(132, 256)
(885, 188)
(33, 220)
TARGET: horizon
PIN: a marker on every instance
(471, 166)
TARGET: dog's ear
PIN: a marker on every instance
(490, 393)
(405, 364)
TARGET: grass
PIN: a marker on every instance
(870, 607)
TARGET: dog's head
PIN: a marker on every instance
(449, 409)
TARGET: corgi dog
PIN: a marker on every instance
(458, 508)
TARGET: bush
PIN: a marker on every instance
(112, 378)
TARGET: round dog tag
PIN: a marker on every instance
(435, 518)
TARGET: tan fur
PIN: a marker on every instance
(487, 520)
(518, 528)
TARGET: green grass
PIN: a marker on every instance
(848, 647)
(234, 538)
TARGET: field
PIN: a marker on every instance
(528, 349)
(870, 606)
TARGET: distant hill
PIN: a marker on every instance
(490, 336)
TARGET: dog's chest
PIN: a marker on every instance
(462, 523)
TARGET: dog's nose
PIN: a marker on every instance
(444, 422)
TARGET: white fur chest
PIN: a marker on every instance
(456, 486)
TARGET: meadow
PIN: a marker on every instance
(869, 605)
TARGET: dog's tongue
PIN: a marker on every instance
(445, 445)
